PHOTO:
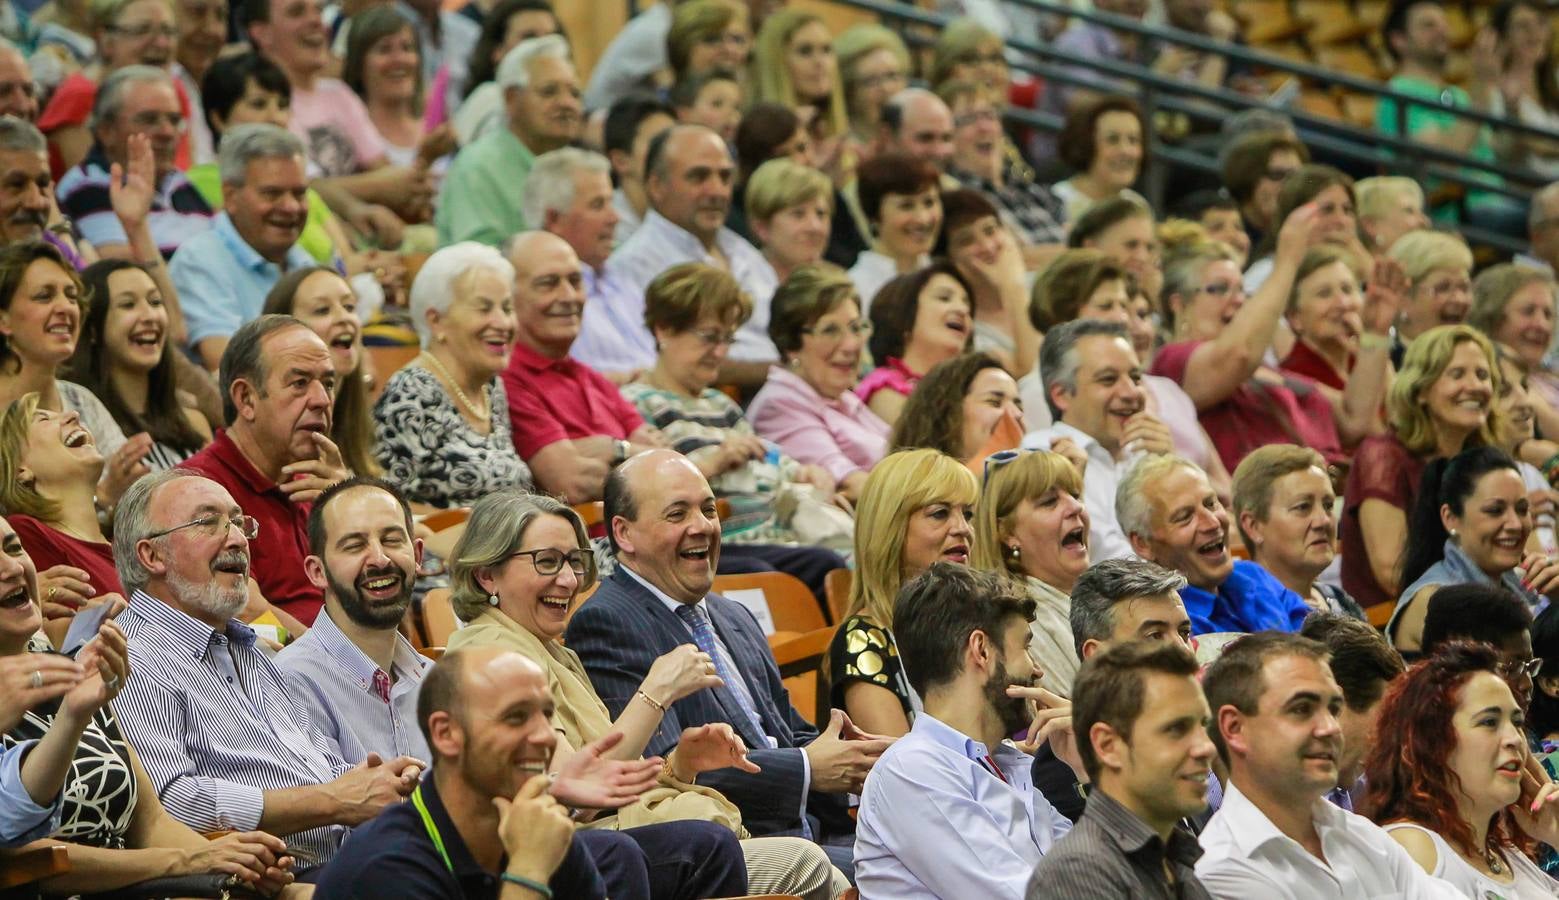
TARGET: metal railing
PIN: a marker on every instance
(1156, 92)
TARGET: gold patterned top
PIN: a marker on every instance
(865, 651)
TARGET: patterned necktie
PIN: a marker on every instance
(704, 637)
(382, 685)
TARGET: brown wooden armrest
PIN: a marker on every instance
(30, 864)
(802, 653)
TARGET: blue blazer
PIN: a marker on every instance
(620, 632)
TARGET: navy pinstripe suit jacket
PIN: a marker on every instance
(621, 630)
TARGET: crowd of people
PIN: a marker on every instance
(1195, 551)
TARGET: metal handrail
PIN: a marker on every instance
(1266, 60)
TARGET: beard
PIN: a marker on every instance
(212, 598)
(1013, 711)
(369, 614)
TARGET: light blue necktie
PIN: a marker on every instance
(704, 637)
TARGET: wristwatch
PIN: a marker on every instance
(619, 451)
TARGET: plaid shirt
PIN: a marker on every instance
(1026, 206)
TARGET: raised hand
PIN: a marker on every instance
(1384, 295)
(124, 468)
(28, 679)
(105, 664)
(589, 780)
(1073, 453)
(709, 747)
(1052, 722)
(1298, 233)
(683, 671)
(324, 470)
(839, 764)
(62, 590)
(1147, 433)
(133, 187)
(535, 830)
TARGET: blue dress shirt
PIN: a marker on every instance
(335, 679)
(222, 281)
(22, 820)
(1250, 599)
(612, 335)
(936, 822)
(215, 727)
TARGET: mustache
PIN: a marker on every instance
(381, 572)
(566, 308)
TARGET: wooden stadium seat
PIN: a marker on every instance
(1320, 103)
(1266, 21)
(446, 518)
(1350, 59)
(438, 618)
(1358, 109)
(1328, 22)
(1293, 51)
(837, 587)
(800, 661)
(31, 865)
(1462, 29)
(791, 605)
(593, 513)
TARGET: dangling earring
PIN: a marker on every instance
(492, 599)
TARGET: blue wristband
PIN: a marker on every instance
(538, 887)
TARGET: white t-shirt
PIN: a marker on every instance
(1528, 882)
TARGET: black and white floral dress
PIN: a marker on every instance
(431, 453)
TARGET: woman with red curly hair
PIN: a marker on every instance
(1452, 785)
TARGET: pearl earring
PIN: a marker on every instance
(492, 599)
(1014, 551)
(1455, 535)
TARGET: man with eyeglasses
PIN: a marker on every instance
(1487, 614)
(689, 175)
(222, 740)
(482, 190)
(136, 100)
(275, 456)
(18, 91)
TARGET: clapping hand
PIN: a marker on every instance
(589, 780)
(28, 679)
(123, 468)
(709, 747)
(105, 664)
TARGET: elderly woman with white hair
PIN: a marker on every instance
(441, 427)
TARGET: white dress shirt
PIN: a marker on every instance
(937, 822)
(1100, 478)
(1246, 857)
(657, 245)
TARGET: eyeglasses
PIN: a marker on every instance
(146, 121)
(833, 334)
(214, 524)
(1278, 174)
(145, 30)
(713, 338)
(878, 80)
(1512, 668)
(974, 116)
(550, 562)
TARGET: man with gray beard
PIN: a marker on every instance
(353, 669)
(224, 743)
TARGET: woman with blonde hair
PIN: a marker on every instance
(1515, 306)
(1438, 404)
(1438, 266)
(706, 35)
(1031, 526)
(917, 509)
(794, 65)
(1389, 207)
(517, 569)
(874, 65)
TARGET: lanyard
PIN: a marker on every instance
(427, 823)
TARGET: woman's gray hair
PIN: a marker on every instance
(1112, 581)
(111, 93)
(514, 70)
(440, 279)
(21, 136)
(1058, 360)
(242, 144)
(493, 533)
(132, 523)
(1133, 512)
(549, 186)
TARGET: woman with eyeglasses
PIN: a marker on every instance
(873, 65)
(517, 569)
(1471, 523)
(807, 405)
(1220, 339)
(694, 311)
(1031, 526)
(1438, 266)
(1454, 784)
(1543, 711)
(1439, 404)
(917, 508)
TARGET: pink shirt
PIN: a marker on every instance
(893, 375)
(841, 435)
(337, 133)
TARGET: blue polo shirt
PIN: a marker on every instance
(222, 281)
(1250, 599)
(393, 856)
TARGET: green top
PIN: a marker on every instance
(482, 189)
(314, 240)
(1438, 115)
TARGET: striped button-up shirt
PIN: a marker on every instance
(214, 725)
(325, 670)
(1112, 853)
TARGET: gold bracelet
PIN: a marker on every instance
(651, 701)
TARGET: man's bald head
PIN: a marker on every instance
(661, 519)
(464, 673)
(549, 296)
(689, 175)
(918, 123)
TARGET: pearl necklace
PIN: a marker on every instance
(481, 414)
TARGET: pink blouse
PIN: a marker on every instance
(842, 435)
(893, 375)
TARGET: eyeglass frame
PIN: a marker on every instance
(861, 328)
(1510, 668)
(586, 574)
(712, 337)
(236, 520)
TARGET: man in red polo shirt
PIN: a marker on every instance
(570, 423)
(275, 455)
